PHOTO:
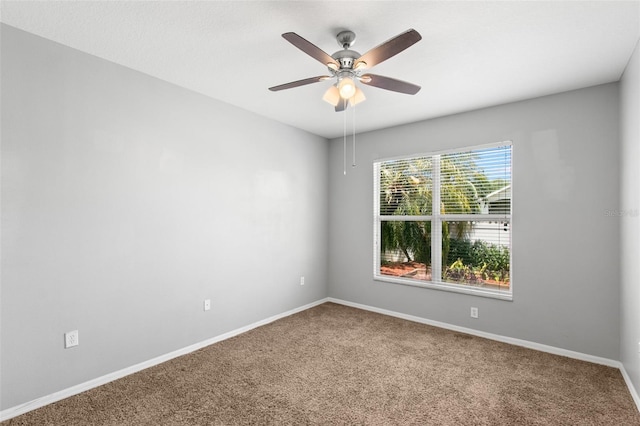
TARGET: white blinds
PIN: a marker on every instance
(469, 183)
(445, 220)
(406, 186)
(476, 182)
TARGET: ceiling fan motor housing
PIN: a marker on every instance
(346, 58)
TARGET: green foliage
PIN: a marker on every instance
(446, 239)
(458, 194)
(478, 253)
(405, 189)
(460, 272)
(459, 249)
(495, 257)
(411, 238)
(478, 259)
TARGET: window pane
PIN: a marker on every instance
(405, 249)
(477, 253)
(476, 182)
(406, 186)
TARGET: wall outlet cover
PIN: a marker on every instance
(71, 339)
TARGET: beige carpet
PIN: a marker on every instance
(335, 365)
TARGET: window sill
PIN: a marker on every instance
(455, 288)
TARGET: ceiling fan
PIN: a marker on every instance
(348, 66)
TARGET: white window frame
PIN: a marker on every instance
(436, 219)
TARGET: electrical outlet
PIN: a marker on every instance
(474, 312)
(71, 339)
(301, 280)
(207, 304)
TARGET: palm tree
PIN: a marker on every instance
(406, 189)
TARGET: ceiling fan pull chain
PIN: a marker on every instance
(354, 137)
(344, 141)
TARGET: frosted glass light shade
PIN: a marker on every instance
(357, 97)
(347, 87)
(332, 96)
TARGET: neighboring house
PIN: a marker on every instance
(498, 202)
(498, 232)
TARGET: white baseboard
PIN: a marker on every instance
(82, 387)
(511, 340)
(632, 389)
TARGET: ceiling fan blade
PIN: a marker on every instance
(389, 83)
(299, 83)
(342, 105)
(389, 48)
(310, 49)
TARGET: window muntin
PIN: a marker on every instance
(465, 244)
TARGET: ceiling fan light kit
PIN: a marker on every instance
(348, 66)
(332, 95)
(357, 98)
(346, 86)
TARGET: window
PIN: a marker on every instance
(444, 220)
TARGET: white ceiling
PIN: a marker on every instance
(472, 54)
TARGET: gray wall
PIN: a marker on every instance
(565, 247)
(630, 221)
(126, 201)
